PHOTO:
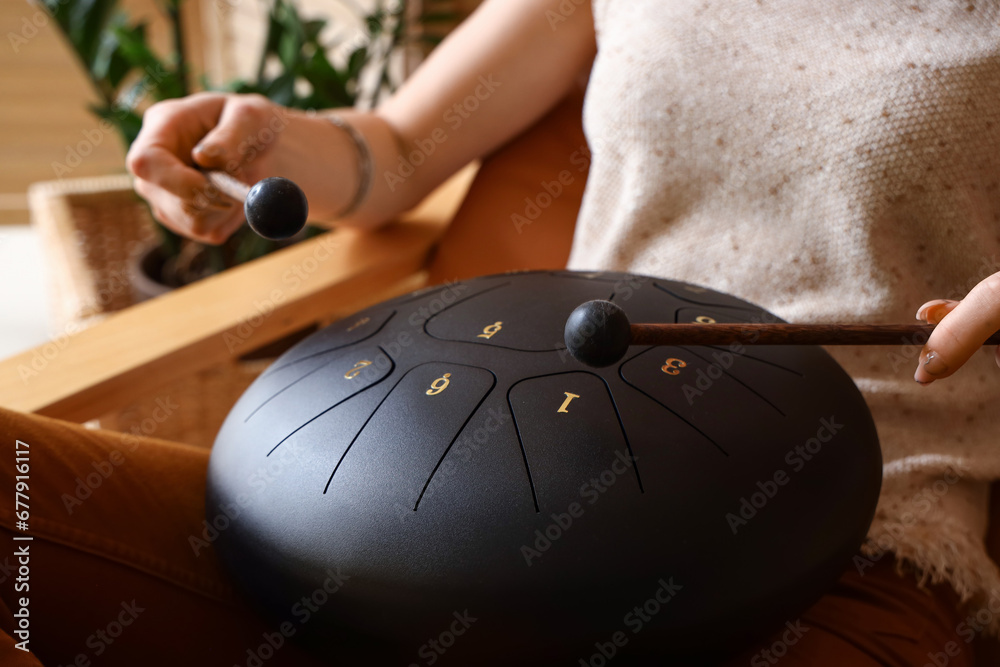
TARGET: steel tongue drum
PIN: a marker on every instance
(436, 479)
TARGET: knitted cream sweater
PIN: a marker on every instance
(834, 161)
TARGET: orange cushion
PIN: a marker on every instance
(522, 206)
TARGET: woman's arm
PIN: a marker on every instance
(502, 69)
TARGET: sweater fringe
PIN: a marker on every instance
(928, 543)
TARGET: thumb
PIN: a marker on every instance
(240, 135)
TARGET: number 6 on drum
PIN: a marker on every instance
(439, 385)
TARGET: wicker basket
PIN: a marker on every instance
(92, 231)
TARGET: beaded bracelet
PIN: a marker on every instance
(365, 164)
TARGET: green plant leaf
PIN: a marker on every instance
(374, 23)
(133, 46)
(312, 30)
(249, 246)
(433, 40)
(289, 49)
(329, 86)
(86, 21)
(439, 17)
(126, 121)
(242, 86)
(357, 62)
(109, 63)
(60, 11)
(282, 89)
(158, 80)
(292, 37)
(274, 31)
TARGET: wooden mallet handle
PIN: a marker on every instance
(785, 334)
(228, 185)
(598, 333)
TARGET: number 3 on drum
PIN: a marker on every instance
(673, 366)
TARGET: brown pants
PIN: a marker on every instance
(113, 581)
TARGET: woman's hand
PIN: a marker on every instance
(250, 138)
(962, 326)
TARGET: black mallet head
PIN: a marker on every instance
(597, 333)
(276, 208)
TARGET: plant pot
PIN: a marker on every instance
(145, 270)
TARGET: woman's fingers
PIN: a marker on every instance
(170, 129)
(934, 311)
(245, 130)
(187, 203)
(162, 168)
(962, 329)
(203, 219)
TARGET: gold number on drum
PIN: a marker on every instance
(673, 366)
(491, 330)
(358, 367)
(569, 398)
(439, 385)
(361, 322)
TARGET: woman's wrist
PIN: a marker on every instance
(367, 177)
(364, 165)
